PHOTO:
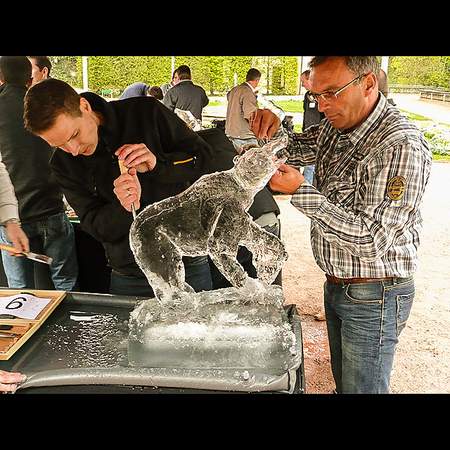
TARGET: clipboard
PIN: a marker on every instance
(14, 332)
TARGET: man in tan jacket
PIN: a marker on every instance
(242, 104)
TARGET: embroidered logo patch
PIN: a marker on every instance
(396, 188)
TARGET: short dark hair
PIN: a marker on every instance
(41, 62)
(359, 65)
(184, 72)
(15, 70)
(45, 101)
(306, 73)
(253, 74)
(155, 91)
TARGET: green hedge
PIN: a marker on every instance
(214, 73)
(420, 70)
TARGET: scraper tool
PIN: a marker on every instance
(30, 255)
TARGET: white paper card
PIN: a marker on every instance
(25, 306)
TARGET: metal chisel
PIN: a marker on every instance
(124, 169)
(30, 255)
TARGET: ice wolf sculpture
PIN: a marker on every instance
(210, 217)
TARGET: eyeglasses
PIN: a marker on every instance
(329, 96)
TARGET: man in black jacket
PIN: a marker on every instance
(93, 134)
(41, 207)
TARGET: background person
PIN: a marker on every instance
(242, 104)
(40, 68)
(156, 92)
(40, 203)
(135, 90)
(186, 95)
(9, 212)
(311, 116)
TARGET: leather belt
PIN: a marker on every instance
(335, 280)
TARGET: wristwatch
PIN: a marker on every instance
(13, 220)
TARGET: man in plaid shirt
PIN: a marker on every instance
(372, 166)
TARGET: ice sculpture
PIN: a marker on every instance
(243, 327)
(210, 217)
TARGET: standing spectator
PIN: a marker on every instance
(372, 165)
(41, 207)
(9, 212)
(311, 116)
(242, 104)
(186, 95)
(383, 85)
(40, 68)
(156, 92)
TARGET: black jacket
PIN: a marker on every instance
(311, 113)
(26, 158)
(87, 182)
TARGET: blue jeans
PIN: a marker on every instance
(308, 173)
(364, 322)
(197, 274)
(54, 237)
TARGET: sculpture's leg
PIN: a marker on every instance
(229, 267)
(163, 267)
(268, 253)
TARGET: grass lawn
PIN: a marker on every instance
(445, 158)
(215, 103)
(294, 106)
(413, 116)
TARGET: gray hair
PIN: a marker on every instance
(359, 65)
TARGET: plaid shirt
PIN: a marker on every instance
(357, 229)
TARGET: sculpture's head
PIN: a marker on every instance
(255, 167)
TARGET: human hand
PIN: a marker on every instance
(264, 123)
(138, 156)
(128, 189)
(17, 237)
(10, 380)
(286, 179)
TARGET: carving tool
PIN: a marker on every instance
(30, 255)
(124, 169)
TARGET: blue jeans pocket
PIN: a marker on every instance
(368, 293)
(404, 304)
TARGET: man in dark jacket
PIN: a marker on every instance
(41, 207)
(311, 116)
(185, 94)
(92, 134)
